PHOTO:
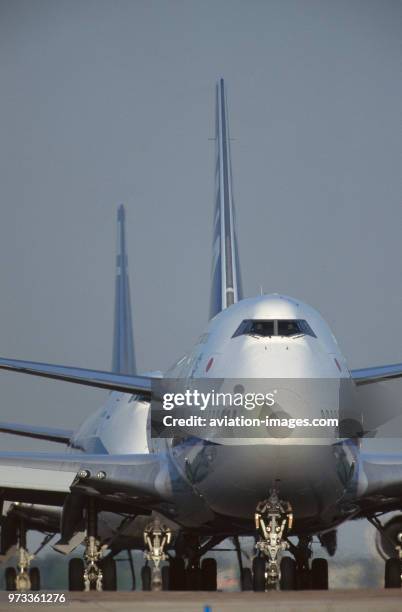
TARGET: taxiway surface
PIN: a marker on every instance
(367, 600)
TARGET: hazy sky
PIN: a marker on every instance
(109, 102)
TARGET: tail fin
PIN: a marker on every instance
(226, 283)
(123, 343)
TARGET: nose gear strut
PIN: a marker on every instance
(156, 538)
(273, 520)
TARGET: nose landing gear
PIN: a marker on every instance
(273, 520)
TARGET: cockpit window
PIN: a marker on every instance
(274, 327)
(255, 328)
(289, 328)
(305, 328)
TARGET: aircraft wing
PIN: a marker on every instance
(92, 378)
(365, 376)
(52, 434)
(38, 477)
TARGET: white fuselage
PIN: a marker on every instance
(232, 475)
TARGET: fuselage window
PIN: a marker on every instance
(274, 327)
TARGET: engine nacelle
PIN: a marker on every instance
(386, 542)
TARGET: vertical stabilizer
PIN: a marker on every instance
(123, 343)
(226, 283)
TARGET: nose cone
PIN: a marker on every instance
(252, 357)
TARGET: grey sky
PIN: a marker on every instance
(110, 102)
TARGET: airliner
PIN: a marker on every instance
(122, 484)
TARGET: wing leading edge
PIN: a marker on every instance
(365, 376)
(51, 434)
(134, 476)
(91, 378)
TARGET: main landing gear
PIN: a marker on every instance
(271, 570)
(94, 572)
(185, 571)
(24, 578)
(391, 545)
(156, 538)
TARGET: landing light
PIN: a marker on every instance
(84, 474)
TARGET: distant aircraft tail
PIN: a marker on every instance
(123, 343)
(226, 283)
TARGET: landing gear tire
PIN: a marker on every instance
(258, 574)
(146, 578)
(10, 576)
(76, 574)
(34, 577)
(177, 575)
(109, 580)
(319, 574)
(288, 574)
(165, 577)
(247, 580)
(392, 574)
(209, 573)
